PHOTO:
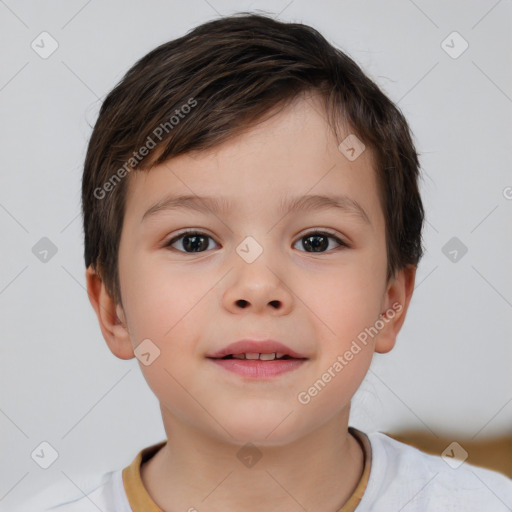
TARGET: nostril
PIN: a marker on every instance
(243, 303)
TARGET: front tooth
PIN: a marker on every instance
(268, 357)
(239, 356)
(251, 355)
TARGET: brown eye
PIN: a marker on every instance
(191, 242)
(318, 241)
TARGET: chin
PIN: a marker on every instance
(260, 430)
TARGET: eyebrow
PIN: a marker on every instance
(207, 204)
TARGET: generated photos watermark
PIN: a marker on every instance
(304, 397)
(137, 156)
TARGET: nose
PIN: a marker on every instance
(259, 288)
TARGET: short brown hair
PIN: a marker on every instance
(233, 71)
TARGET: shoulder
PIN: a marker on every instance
(94, 492)
(402, 475)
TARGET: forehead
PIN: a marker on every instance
(292, 153)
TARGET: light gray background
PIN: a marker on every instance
(450, 371)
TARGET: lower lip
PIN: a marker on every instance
(259, 369)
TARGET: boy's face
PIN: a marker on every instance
(192, 304)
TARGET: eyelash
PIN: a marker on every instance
(191, 232)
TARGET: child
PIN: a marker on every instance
(252, 227)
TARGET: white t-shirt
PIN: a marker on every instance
(402, 478)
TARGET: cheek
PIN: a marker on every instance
(169, 308)
(344, 302)
(160, 301)
(165, 307)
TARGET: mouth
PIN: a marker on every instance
(265, 350)
(258, 359)
(273, 356)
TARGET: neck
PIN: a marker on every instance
(194, 470)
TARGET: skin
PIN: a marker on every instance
(190, 304)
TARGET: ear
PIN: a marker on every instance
(394, 308)
(110, 316)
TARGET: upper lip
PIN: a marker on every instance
(254, 346)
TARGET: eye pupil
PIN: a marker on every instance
(195, 244)
(316, 246)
